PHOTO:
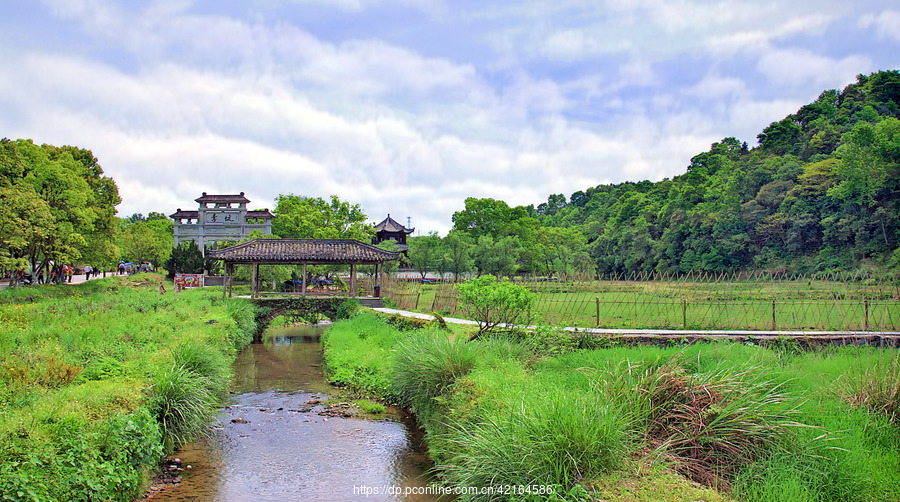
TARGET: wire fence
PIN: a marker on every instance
(738, 301)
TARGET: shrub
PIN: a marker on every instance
(492, 304)
(347, 309)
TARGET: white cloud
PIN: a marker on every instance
(885, 23)
(802, 66)
(544, 96)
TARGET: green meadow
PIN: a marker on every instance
(99, 380)
(718, 421)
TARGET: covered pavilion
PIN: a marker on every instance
(301, 252)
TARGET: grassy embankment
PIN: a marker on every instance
(798, 305)
(98, 381)
(637, 423)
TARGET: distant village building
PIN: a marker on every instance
(219, 218)
(390, 229)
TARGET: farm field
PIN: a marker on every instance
(792, 304)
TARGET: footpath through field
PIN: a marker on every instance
(889, 338)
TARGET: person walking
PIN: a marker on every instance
(69, 272)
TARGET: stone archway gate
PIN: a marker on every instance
(301, 252)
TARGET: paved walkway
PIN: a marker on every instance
(76, 279)
(688, 333)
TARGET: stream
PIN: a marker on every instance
(272, 443)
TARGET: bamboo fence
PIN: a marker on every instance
(738, 301)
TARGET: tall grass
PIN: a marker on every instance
(182, 403)
(427, 364)
(97, 380)
(764, 424)
(555, 439)
(357, 353)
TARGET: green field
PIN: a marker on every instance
(739, 305)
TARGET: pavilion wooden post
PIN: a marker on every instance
(230, 277)
(352, 280)
(253, 287)
(379, 273)
(225, 282)
(303, 287)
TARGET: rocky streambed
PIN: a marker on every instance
(282, 437)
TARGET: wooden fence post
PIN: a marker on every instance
(417, 300)
(773, 315)
(598, 311)
(866, 304)
(684, 313)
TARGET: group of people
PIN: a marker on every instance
(59, 274)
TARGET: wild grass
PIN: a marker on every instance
(761, 424)
(427, 364)
(98, 380)
(554, 439)
(357, 355)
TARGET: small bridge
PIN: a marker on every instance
(307, 307)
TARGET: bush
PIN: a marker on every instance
(492, 304)
(347, 309)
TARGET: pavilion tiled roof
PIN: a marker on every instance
(222, 198)
(291, 251)
(391, 225)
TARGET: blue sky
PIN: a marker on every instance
(409, 106)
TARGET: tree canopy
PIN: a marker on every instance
(57, 206)
(302, 217)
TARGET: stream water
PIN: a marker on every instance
(273, 445)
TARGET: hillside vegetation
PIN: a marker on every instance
(818, 193)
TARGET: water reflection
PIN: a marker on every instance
(273, 445)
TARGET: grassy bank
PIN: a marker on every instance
(99, 380)
(637, 423)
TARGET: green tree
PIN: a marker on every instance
(458, 253)
(149, 240)
(494, 304)
(301, 217)
(424, 252)
(71, 187)
(497, 256)
(488, 217)
(186, 258)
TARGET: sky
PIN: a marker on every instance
(408, 107)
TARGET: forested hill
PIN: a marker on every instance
(818, 193)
